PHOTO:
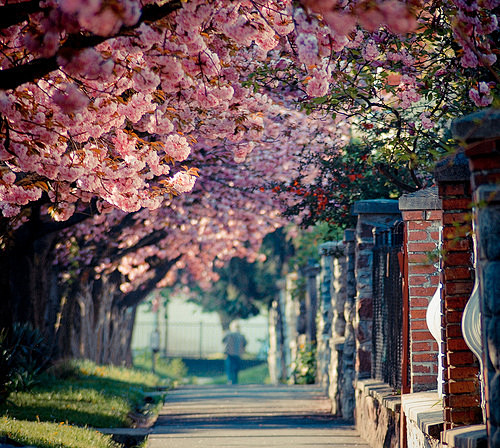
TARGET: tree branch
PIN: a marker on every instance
(12, 78)
(385, 172)
(16, 13)
(135, 297)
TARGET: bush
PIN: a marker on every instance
(23, 354)
(305, 368)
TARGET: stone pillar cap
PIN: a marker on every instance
(453, 168)
(376, 206)
(481, 125)
(349, 235)
(331, 248)
(426, 199)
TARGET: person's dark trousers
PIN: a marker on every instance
(232, 367)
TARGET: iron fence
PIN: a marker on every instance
(387, 306)
(198, 339)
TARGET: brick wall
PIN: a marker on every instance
(462, 396)
(422, 215)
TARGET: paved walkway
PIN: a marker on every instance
(250, 416)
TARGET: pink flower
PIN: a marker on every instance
(481, 96)
(317, 86)
(177, 147)
(307, 45)
(427, 123)
(370, 52)
(183, 182)
(71, 100)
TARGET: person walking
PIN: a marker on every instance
(235, 344)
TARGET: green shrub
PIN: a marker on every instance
(305, 365)
(23, 354)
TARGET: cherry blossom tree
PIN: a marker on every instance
(109, 112)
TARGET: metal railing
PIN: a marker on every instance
(387, 339)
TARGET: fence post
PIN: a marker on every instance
(371, 214)
(481, 133)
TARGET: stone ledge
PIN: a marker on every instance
(427, 199)
(479, 125)
(473, 436)
(376, 206)
(425, 409)
(382, 392)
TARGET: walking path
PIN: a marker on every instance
(250, 416)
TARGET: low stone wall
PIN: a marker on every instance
(423, 413)
(377, 413)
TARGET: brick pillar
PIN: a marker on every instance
(481, 132)
(462, 394)
(422, 215)
(372, 214)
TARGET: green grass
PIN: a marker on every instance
(77, 394)
(52, 435)
(253, 375)
(169, 370)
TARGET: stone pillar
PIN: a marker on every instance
(311, 272)
(292, 310)
(462, 391)
(334, 265)
(372, 214)
(422, 215)
(481, 133)
(348, 374)
(324, 313)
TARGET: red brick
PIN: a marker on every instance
(459, 231)
(458, 245)
(424, 357)
(456, 344)
(484, 163)
(421, 336)
(457, 218)
(461, 387)
(464, 400)
(489, 178)
(455, 303)
(457, 204)
(458, 259)
(421, 347)
(419, 302)
(422, 269)
(419, 225)
(453, 190)
(424, 379)
(464, 372)
(418, 314)
(417, 280)
(421, 247)
(434, 215)
(418, 325)
(454, 331)
(434, 280)
(454, 316)
(482, 148)
(419, 368)
(434, 236)
(418, 235)
(460, 358)
(462, 416)
(422, 292)
(413, 215)
(421, 258)
(459, 273)
(458, 288)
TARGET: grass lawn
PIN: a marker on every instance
(258, 374)
(77, 394)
